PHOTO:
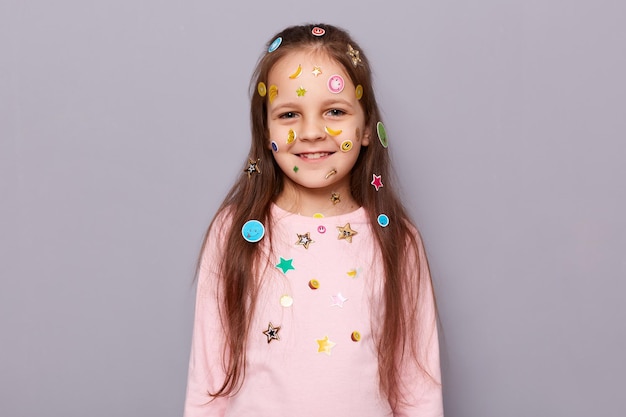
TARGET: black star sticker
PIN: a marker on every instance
(271, 332)
(253, 166)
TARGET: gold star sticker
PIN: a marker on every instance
(354, 55)
(325, 345)
(346, 232)
(334, 197)
(316, 71)
(253, 166)
(301, 92)
(272, 332)
(304, 240)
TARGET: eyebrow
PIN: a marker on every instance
(326, 103)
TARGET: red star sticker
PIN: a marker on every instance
(376, 181)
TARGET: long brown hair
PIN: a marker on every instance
(251, 198)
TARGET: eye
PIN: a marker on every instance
(336, 112)
(288, 115)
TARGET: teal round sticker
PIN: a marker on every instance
(382, 134)
(383, 220)
(253, 231)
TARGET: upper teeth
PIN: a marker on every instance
(314, 155)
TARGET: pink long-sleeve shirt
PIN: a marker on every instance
(311, 349)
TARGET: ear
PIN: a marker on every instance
(365, 141)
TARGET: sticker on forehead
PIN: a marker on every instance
(318, 31)
(275, 44)
(273, 92)
(296, 73)
(336, 84)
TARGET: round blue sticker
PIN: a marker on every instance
(253, 231)
(275, 44)
(383, 220)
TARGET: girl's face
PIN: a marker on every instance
(316, 124)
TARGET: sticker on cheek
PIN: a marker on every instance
(291, 136)
(336, 84)
(333, 132)
(274, 146)
(346, 145)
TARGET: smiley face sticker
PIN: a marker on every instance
(346, 146)
(253, 231)
(318, 31)
(336, 84)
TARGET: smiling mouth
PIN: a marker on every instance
(315, 155)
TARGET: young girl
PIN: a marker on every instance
(314, 295)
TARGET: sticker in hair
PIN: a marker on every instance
(261, 89)
(354, 55)
(291, 136)
(273, 93)
(332, 132)
(275, 44)
(346, 146)
(346, 232)
(316, 71)
(376, 181)
(274, 146)
(253, 166)
(336, 84)
(304, 240)
(271, 332)
(382, 134)
(301, 91)
(383, 220)
(253, 231)
(318, 31)
(296, 73)
(358, 92)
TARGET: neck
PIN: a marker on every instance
(308, 202)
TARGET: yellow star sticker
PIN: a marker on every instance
(325, 345)
(346, 232)
(301, 92)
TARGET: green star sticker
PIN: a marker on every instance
(301, 92)
(285, 265)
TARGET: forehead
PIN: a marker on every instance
(308, 60)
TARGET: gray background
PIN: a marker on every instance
(122, 124)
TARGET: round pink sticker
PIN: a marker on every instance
(336, 84)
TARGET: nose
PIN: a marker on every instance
(312, 130)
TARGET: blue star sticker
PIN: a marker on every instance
(285, 265)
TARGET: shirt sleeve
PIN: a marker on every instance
(206, 366)
(423, 392)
